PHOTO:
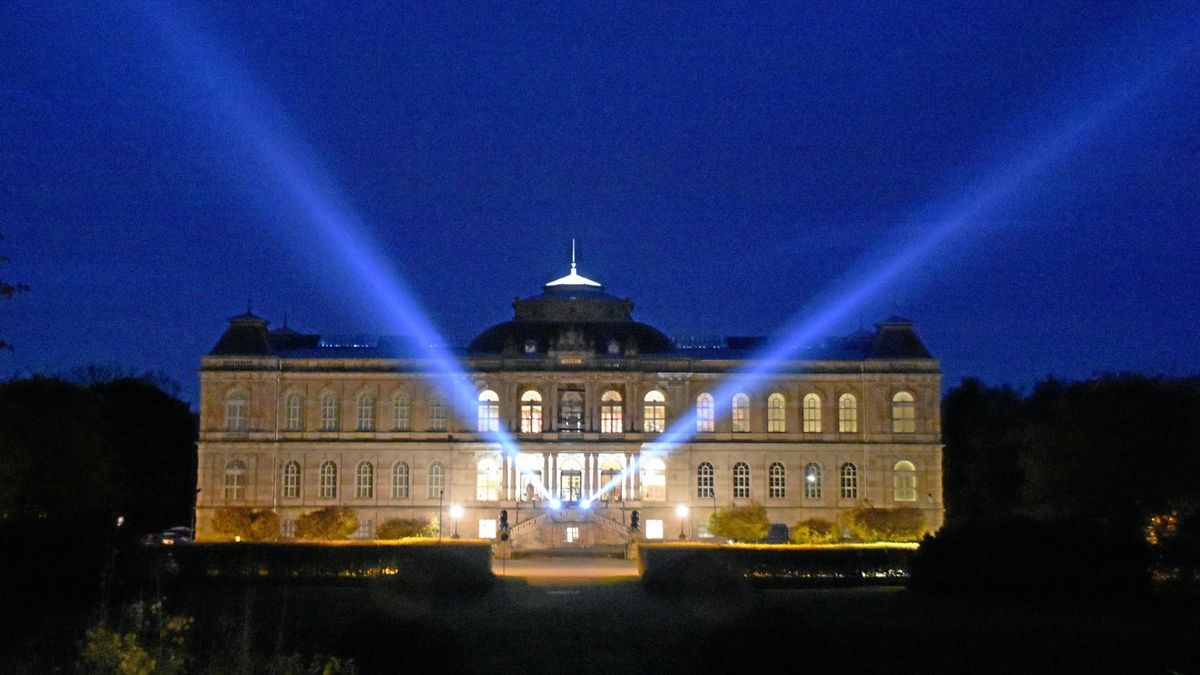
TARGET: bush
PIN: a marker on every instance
(399, 528)
(740, 523)
(331, 522)
(814, 531)
(246, 523)
(872, 524)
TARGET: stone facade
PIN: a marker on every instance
(298, 422)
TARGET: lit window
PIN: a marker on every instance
(704, 481)
(329, 413)
(777, 481)
(570, 410)
(654, 480)
(654, 529)
(741, 480)
(812, 414)
(531, 412)
(614, 348)
(291, 480)
(487, 528)
(294, 416)
(437, 414)
(847, 414)
(611, 413)
(812, 481)
(235, 480)
(437, 481)
(776, 414)
(487, 481)
(655, 411)
(904, 413)
(849, 481)
(531, 346)
(401, 413)
(328, 485)
(739, 422)
(571, 534)
(610, 475)
(364, 481)
(236, 418)
(488, 411)
(400, 481)
(904, 482)
(704, 413)
(366, 413)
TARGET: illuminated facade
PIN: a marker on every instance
(298, 422)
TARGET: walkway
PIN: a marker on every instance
(567, 571)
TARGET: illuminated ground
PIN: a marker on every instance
(566, 571)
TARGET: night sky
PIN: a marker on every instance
(728, 169)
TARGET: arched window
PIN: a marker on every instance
(705, 415)
(705, 489)
(904, 482)
(812, 481)
(328, 484)
(612, 419)
(437, 481)
(400, 481)
(741, 480)
(291, 480)
(237, 412)
(364, 481)
(437, 413)
(849, 481)
(366, 413)
(776, 414)
(847, 414)
(235, 480)
(329, 413)
(812, 414)
(531, 412)
(655, 411)
(654, 480)
(401, 413)
(294, 413)
(739, 420)
(570, 410)
(777, 481)
(487, 480)
(489, 411)
(904, 413)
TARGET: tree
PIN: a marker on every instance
(246, 523)
(740, 523)
(814, 531)
(986, 434)
(9, 289)
(899, 524)
(331, 522)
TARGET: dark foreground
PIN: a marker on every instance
(617, 627)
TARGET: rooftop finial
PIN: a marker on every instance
(572, 255)
(573, 279)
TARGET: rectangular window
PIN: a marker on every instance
(610, 419)
(489, 417)
(531, 418)
(402, 413)
(812, 416)
(571, 534)
(654, 529)
(487, 528)
(776, 488)
(905, 487)
(294, 409)
(656, 418)
(287, 528)
(366, 414)
(366, 529)
(740, 422)
(329, 414)
(848, 419)
(437, 416)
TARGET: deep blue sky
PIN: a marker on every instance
(723, 167)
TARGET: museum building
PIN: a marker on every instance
(296, 422)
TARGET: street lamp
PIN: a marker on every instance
(456, 512)
(682, 512)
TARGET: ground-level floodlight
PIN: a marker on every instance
(456, 512)
(682, 512)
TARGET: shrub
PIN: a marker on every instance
(247, 523)
(900, 524)
(741, 523)
(399, 528)
(331, 522)
(814, 531)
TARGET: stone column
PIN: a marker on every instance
(546, 472)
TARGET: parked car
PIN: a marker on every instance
(175, 535)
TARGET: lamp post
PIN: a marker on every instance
(441, 523)
(456, 512)
(682, 512)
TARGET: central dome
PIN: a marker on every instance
(572, 313)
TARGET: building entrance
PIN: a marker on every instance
(571, 486)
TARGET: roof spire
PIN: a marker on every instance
(573, 279)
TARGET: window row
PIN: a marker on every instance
(904, 481)
(571, 413)
(327, 480)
